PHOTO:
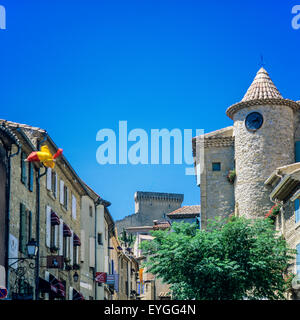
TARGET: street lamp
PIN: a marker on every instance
(75, 277)
(20, 289)
(32, 249)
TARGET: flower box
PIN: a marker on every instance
(273, 212)
(231, 176)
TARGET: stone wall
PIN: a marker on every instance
(19, 193)
(150, 206)
(47, 198)
(258, 154)
(217, 194)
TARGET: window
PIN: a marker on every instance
(298, 259)
(66, 192)
(112, 267)
(216, 166)
(297, 210)
(23, 168)
(100, 239)
(75, 255)
(53, 182)
(65, 246)
(52, 236)
(91, 211)
(140, 288)
(25, 289)
(25, 232)
(74, 207)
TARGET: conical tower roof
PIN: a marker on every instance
(262, 87)
(261, 92)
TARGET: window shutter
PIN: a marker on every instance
(92, 252)
(22, 234)
(29, 225)
(61, 192)
(61, 236)
(56, 233)
(82, 247)
(48, 226)
(73, 206)
(71, 293)
(112, 267)
(198, 172)
(71, 247)
(31, 176)
(23, 168)
(49, 174)
(297, 211)
(67, 200)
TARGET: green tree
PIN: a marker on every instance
(232, 260)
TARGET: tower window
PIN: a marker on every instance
(216, 166)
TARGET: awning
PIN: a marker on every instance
(77, 295)
(54, 219)
(61, 289)
(58, 288)
(67, 231)
(44, 285)
(76, 240)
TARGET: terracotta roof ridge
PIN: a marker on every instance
(262, 87)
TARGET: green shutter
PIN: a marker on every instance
(23, 168)
(31, 176)
(22, 234)
(29, 225)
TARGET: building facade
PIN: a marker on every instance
(186, 214)
(55, 210)
(251, 166)
(262, 122)
(284, 186)
(95, 244)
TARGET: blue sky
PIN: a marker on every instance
(75, 67)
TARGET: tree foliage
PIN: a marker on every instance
(239, 259)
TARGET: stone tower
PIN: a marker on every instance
(150, 206)
(263, 133)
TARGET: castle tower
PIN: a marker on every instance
(150, 206)
(263, 140)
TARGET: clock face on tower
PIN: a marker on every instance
(254, 121)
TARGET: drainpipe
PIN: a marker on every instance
(37, 264)
(8, 184)
(96, 203)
